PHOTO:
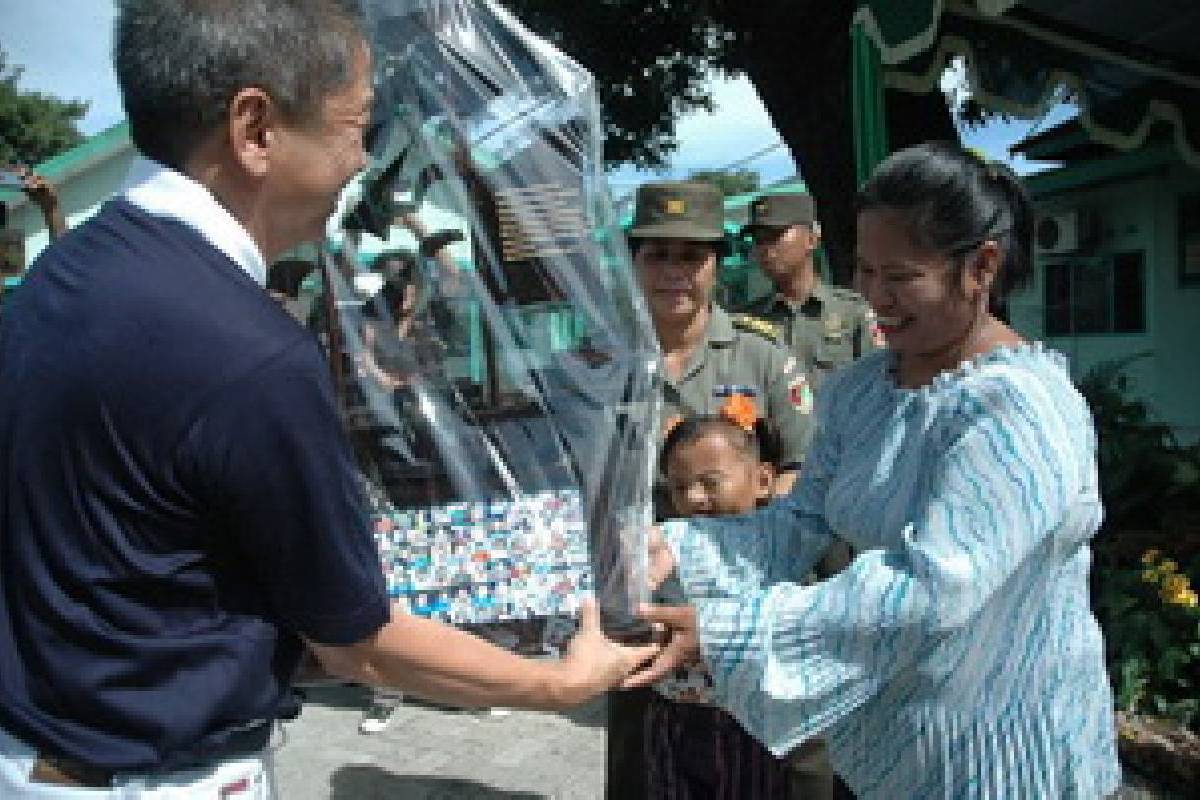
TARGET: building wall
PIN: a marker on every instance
(80, 196)
(1177, 340)
(1134, 214)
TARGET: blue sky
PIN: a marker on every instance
(65, 49)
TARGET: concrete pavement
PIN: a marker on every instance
(431, 753)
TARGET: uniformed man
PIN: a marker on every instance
(824, 327)
(677, 239)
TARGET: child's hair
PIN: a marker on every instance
(761, 443)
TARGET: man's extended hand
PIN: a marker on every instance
(682, 648)
(594, 663)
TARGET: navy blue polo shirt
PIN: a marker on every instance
(178, 503)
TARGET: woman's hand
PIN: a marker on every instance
(594, 663)
(683, 647)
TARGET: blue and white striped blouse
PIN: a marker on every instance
(957, 656)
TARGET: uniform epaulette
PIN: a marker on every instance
(765, 329)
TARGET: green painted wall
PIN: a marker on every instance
(1136, 211)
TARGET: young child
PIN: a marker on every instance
(714, 465)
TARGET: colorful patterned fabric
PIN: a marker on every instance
(957, 656)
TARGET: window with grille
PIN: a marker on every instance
(1101, 295)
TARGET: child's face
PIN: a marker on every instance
(710, 477)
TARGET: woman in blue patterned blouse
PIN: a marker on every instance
(957, 656)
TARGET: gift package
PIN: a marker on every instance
(492, 352)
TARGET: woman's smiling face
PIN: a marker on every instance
(677, 275)
(922, 300)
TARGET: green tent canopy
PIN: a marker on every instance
(1131, 67)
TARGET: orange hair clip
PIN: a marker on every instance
(740, 410)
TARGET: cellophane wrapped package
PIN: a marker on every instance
(495, 359)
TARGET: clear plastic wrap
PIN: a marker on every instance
(497, 365)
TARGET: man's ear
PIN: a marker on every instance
(252, 128)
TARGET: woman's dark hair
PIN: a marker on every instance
(955, 201)
(760, 444)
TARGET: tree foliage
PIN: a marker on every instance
(652, 60)
(34, 126)
(730, 182)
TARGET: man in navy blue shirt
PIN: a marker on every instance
(179, 514)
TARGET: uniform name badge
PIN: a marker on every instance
(732, 389)
(801, 394)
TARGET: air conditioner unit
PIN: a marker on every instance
(1064, 232)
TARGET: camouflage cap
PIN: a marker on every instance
(679, 210)
(781, 211)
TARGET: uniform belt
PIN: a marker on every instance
(58, 771)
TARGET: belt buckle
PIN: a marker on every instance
(56, 771)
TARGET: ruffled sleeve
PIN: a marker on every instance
(791, 660)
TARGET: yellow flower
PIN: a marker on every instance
(1176, 584)
(1150, 556)
(1168, 566)
(1180, 597)
(1150, 576)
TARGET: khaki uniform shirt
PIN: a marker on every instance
(833, 327)
(734, 361)
(830, 329)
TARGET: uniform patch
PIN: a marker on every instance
(800, 394)
(731, 389)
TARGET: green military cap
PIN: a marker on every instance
(781, 211)
(679, 210)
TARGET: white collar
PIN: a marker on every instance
(163, 192)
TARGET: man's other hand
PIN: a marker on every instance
(594, 663)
